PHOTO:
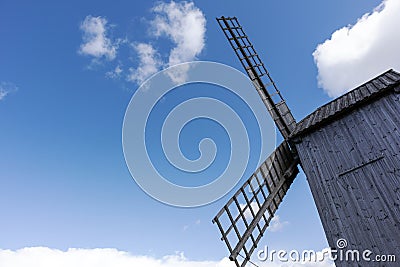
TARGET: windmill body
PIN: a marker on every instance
(349, 150)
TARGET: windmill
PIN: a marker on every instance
(349, 150)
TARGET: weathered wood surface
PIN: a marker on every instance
(353, 168)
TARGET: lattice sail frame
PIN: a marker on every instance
(244, 219)
(258, 74)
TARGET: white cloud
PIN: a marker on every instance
(6, 88)
(276, 224)
(99, 257)
(95, 40)
(116, 73)
(149, 63)
(3, 94)
(178, 74)
(187, 226)
(357, 53)
(247, 214)
(109, 257)
(185, 25)
(182, 24)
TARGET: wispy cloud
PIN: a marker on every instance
(187, 226)
(276, 224)
(3, 94)
(115, 73)
(96, 43)
(6, 88)
(149, 63)
(357, 53)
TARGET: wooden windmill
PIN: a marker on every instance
(349, 150)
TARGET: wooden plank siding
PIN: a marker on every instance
(352, 164)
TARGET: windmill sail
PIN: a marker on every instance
(259, 75)
(246, 216)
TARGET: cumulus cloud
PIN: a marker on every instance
(110, 257)
(179, 26)
(184, 25)
(95, 40)
(99, 257)
(357, 53)
(149, 63)
(6, 88)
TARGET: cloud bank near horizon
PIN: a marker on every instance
(110, 257)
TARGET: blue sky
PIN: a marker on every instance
(64, 181)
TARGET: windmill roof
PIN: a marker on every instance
(347, 102)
